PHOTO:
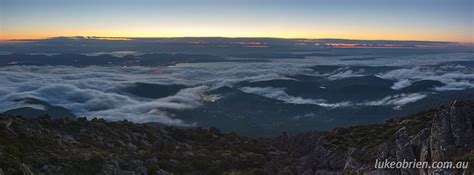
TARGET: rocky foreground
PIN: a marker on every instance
(67, 146)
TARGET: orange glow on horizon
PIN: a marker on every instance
(126, 36)
(230, 31)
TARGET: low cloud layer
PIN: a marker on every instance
(346, 74)
(98, 91)
(280, 94)
(458, 79)
(397, 101)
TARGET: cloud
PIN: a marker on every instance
(95, 92)
(460, 79)
(155, 110)
(403, 74)
(280, 94)
(401, 84)
(98, 91)
(34, 106)
(397, 101)
(346, 74)
(405, 60)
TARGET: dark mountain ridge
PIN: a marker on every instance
(33, 108)
(79, 60)
(65, 146)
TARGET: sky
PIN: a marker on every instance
(429, 20)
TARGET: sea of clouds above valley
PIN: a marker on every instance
(98, 91)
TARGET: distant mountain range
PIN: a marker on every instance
(215, 45)
(80, 60)
(34, 108)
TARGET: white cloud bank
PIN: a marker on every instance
(397, 101)
(453, 80)
(280, 94)
(96, 91)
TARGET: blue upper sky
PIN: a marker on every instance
(442, 20)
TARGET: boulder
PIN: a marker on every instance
(452, 131)
(404, 151)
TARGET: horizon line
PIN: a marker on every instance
(240, 37)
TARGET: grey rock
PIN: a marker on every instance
(418, 140)
(285, 171)
(384, 151)
(162, 172)
(25, 169)
(326, 172)
(51, 169)
(141, 171)
(132, 164)
(380, 172)
(452, 131)
(443, 172)
(131, 146)
(404, 150)
(352, 164)
(425, 155)
(329, 159)
(441, 137)
(6, 123)
(462, 122)
(152, 161)
(112, 168)
(308, 172)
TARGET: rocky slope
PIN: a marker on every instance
(67, 146)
